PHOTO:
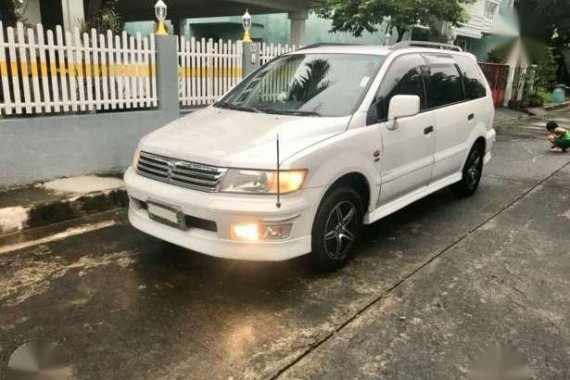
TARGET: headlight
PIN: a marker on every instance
(135, 161)
(262, 181)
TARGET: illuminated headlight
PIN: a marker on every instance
(262, 181)
(255, 231)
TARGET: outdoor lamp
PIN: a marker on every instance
(246, 23)
(160, 12)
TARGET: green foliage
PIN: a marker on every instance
(539, 54)
(546, 96)
(501, 53)
(542, 19)
(106, 17)
(357, 16)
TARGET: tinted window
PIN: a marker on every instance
(445, 86)
(472, 78)
(404, 77)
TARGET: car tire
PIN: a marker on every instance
(472, 172)
(336, 229)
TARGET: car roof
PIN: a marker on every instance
(383, 50)
(344, 49)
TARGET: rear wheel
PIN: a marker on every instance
(472, 172)
(336, 229)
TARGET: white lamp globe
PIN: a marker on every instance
(160, 10)
(246, 20)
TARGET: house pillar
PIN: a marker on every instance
(73, 14)
(298, 21)
(250, 57)
(167, 74)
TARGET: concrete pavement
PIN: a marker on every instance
(433, 288)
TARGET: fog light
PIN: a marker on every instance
(245, 231)
(255, 232)
(275, 231)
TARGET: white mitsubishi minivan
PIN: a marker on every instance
(296, 157)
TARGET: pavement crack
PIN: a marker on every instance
(387, 292)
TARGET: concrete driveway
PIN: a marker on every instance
(433, 291)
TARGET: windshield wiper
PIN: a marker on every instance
(292, 112)
(237, 108)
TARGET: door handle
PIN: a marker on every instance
(428, 130)
(471, 116)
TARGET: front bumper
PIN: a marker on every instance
(225, 209)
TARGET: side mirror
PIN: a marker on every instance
(402, 106)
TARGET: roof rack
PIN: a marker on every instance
(320, 44)
(426, 44)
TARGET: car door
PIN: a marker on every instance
(407, 151)
(454, 115)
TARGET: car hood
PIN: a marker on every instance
(229, 138)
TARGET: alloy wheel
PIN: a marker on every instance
(474, 169)
(340, 230)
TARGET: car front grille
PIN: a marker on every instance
(180, 173)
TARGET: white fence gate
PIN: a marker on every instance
(43, 73)
(207, 69)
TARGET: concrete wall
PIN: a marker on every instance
(40, 148)
(43, 147)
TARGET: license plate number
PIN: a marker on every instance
(165, 214)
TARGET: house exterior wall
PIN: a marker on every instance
(73, 14)
(482, 33)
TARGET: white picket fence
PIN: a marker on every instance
(51, 72)
(40, 73)
(270, 51)
(207, 69)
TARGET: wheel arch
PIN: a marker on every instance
(355, 180)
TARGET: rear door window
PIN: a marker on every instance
(445, 85)
(475, 87)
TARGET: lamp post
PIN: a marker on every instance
(246, 23)
(160, 12)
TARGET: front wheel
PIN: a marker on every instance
(336, 229)
(472, 172)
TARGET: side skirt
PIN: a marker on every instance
(410, 198)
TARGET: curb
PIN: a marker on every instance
(555, 107)
(16, 219)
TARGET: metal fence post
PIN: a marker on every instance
(167, 74)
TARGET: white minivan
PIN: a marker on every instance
(296, 157)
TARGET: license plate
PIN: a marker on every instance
(165, 214)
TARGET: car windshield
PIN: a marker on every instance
(306, 85)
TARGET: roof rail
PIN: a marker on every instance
(319, 44)
(426, 44)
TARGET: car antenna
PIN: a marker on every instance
(278, 204)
